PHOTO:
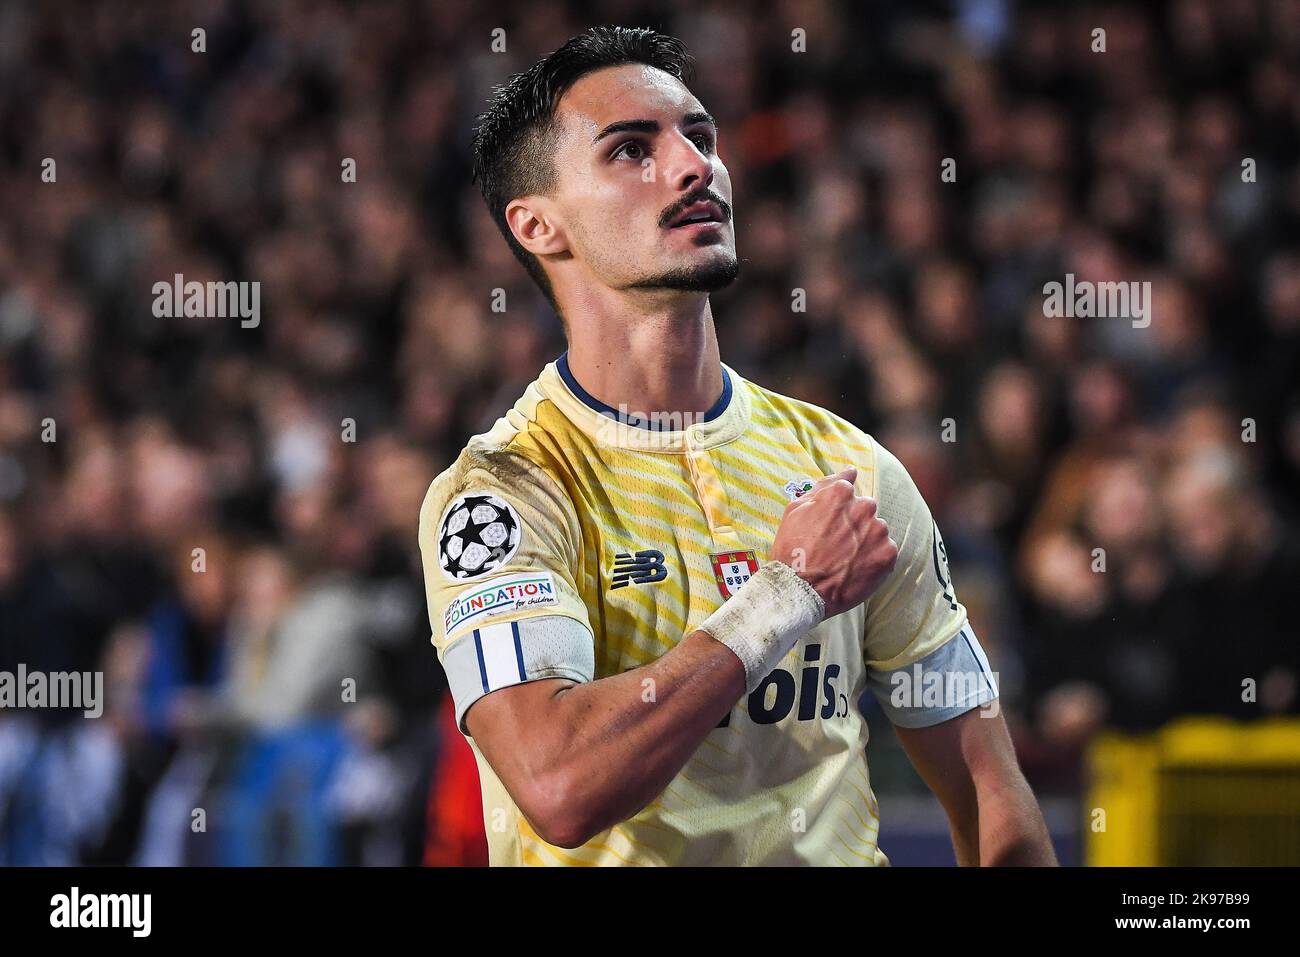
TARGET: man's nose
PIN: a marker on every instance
(690, 168)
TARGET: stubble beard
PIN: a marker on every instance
(707, 277)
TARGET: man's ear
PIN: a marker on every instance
(535, 225)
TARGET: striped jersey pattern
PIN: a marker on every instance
(638, 534)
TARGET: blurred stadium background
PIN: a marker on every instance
(924, 303)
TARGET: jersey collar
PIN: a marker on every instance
(634, 428)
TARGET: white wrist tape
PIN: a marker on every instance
(765, 617)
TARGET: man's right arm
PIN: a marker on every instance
(579, 757)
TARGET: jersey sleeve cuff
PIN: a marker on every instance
(508, 653)
(949, 681)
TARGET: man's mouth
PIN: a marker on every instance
(702, 215)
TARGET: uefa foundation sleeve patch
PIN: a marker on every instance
(479, 533)
(523, 591)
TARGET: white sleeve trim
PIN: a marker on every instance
(508, 653)
(949, 681)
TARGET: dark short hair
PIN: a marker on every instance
(515, 137)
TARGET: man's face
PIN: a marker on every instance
(636, 155)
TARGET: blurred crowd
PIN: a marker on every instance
(222, 519)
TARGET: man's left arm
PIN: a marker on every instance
(970, 764)
(931, 677)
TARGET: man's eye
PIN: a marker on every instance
(704, 141)
(629, 150)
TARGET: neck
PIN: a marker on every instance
(664, 361)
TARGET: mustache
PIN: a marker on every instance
(696, 196)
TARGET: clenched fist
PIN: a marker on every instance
(834, 541)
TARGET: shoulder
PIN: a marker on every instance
(771, 407)
(516, 455)
(818, 430)
(515, 471)
(516, 480)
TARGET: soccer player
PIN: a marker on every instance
(658, 590)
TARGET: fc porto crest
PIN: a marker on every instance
(797, 488)
(732, 569)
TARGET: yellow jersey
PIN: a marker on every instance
(579, 541)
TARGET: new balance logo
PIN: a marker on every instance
(643, 568)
